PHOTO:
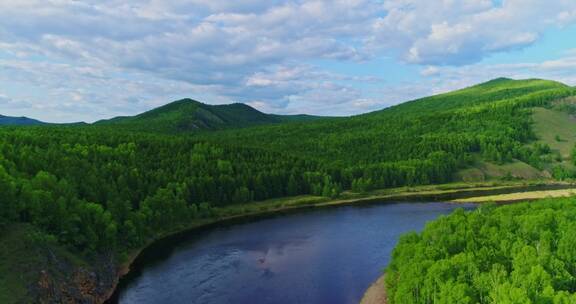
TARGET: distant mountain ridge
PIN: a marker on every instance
(19, 121)
(191, 115)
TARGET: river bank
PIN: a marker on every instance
(517, 197)
(376, 294)
(448, 192)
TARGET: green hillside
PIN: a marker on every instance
(488, 122)
(190, 115)
(493, 91)
(557, 128)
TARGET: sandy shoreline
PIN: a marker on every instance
(522, 196)
(376, 293)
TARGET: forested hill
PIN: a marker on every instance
(492, 92)
(487, 123)
(190, 115)
(19, 121)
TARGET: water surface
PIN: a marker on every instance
(321, 256)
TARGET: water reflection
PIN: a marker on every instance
(324, 256)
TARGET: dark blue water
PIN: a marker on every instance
(323, 256)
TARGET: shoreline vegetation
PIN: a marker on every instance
(483, 192)
(513, 253)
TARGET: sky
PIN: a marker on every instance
(68, 61)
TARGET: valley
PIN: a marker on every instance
(287, 152)
(82, 201)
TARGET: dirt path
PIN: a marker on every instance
(376, 294)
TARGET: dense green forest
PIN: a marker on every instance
(422, 141)
(522, 253)
(96, 190)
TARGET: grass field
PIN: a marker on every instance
(485, 171)
(550, 124)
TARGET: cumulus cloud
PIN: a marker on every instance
(451, 32)
(63, 92)
(217, 49)
(94, 59)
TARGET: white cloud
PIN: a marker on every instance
(445, 79)
(451, 32)
(94, 59)
(62, 92)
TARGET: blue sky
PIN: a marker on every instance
(66, 60)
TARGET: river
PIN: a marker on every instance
(321, 256)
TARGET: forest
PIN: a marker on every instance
(522, 253)
(98, 191)
(400, 145)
